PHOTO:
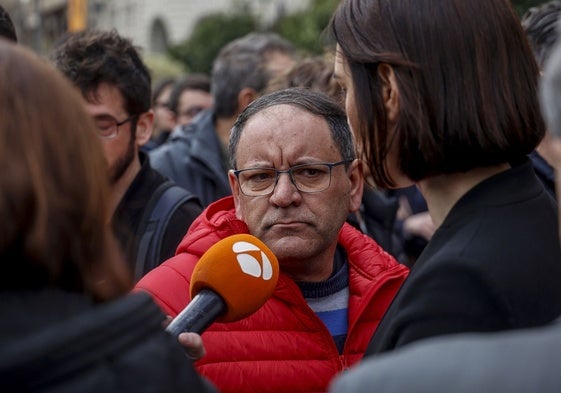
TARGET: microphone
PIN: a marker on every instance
(231, 281)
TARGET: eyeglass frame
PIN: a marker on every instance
(116, 125)
(330, 165)
(191, 111)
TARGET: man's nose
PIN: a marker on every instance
(285, 191)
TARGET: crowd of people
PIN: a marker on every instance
(405, 181)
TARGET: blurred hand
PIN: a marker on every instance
(550, 149)
(193, 345)
(404, 209)
(420, 224)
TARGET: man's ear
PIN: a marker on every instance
(245, 97)
(144, 127)
(233, 180)
(390, 91)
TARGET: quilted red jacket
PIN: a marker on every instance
(284, 346)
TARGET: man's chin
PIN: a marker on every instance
(288, 246)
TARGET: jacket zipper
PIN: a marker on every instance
(343, 362)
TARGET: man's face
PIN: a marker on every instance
(190, 103)
(163, 116)
(297, 226)
(120, 150)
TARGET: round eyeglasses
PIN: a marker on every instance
(108, 127)
(307, 178)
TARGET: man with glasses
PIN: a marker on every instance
(189, 96)
(116, 88)
(295, 178)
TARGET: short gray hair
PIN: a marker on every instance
(242, 63)
(310, 101)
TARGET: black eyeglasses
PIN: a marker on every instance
(307, 178)
(108, 127)
(192, 111)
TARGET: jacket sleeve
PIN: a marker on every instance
(168, 284)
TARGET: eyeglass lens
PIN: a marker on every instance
(306, 178)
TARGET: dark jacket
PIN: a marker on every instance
(494, 264)
(54, 341)
(412, 244)
(129, 214)
(377, 219)
(193, 158)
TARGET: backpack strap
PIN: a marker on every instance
(163, 203)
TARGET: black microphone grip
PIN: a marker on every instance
(199, 314)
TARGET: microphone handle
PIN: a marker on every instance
(199, 314)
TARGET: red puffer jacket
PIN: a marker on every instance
(284, 346)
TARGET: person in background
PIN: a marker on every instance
(195, 156)
(68, 321)
(189, 96)
(550, 93)
(312, 72)
(540, 25)
(461, 132)
(7, 29)
(414, 223)
(115, 84)
(295, 179)
(519, 361)
(164, 121)
(278, 53)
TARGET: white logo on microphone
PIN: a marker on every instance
(249, 264)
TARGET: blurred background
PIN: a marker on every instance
(178, 36)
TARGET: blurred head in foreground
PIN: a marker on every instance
(53, 186)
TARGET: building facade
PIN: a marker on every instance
(153, 25)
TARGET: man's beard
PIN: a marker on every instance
(122, 164)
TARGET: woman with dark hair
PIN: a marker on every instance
(444, 95)
(68, 323)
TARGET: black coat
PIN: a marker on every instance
(130, 213)
(377, 219)
(494, 264)
(59, 342)
(194, 159)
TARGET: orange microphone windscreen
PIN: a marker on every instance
(242, 270)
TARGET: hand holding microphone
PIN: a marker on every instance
(232, 280)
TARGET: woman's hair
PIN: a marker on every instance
(466, 77)
(54, 186)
